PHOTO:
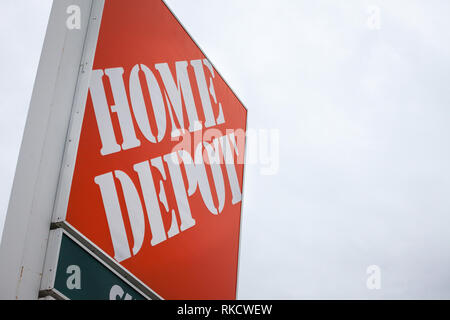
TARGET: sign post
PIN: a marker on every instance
(58, 80)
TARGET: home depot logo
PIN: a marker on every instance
(204, 155)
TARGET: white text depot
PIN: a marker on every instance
(168, 103)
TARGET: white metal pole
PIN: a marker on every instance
(27, 225)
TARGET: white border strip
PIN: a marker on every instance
(51, 260)
(79, 105)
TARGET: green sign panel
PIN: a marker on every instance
(80, 276)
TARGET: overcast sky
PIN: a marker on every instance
(362, 109)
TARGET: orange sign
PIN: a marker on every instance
(159, 170)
